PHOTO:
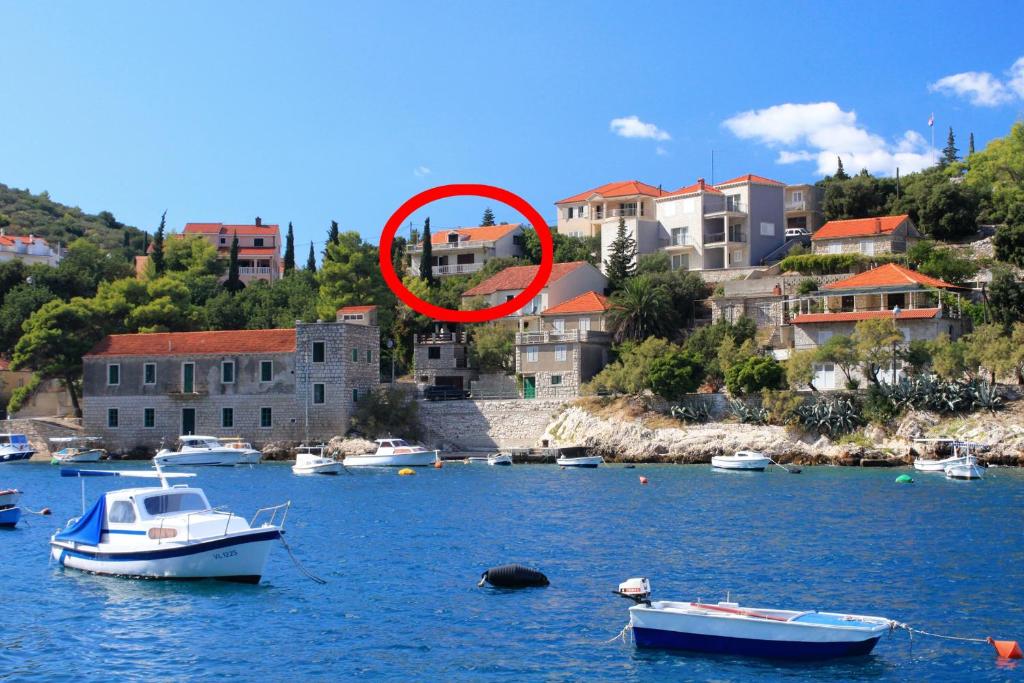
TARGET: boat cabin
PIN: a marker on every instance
(132, 505)
(13, 440)
(193, 441)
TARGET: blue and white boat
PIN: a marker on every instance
(10, 513)
(727, 628)
(15, 447)
(165, 532)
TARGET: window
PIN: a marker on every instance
(319, 351)
(266, 418)
(835, 248)
(867, 247)
(434, 352)
(732, 202)
(369, 355)
(113, 375)
(355, 396)
(355, 355)
(319, 394)
(227, 372)
(569, 213)
(680, 236)
(112, 418)
(558, 325)
(797, 196)
(680, 261)
(175, 502)
(556, 380)
(560, 352)
(824, 336)
(257, 242)
(149, 418)
(266, 370)
(768, 229)
(188, 378)
(736, 258)
(149, 373)
(531, 354)
(584, 324)
(227, 417)
(121, 512)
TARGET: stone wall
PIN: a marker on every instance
(487, 425)
(40, 431)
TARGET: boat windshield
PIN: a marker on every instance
(200, 443)
(185, 501)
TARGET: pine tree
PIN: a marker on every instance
(621, 263)
(840, 171)
(427, 257)
(970, 145)
(332, 235)
(311, 261)
(157, 257)
(233, 283)
(488, 218)
(289, 250)
(949, 152)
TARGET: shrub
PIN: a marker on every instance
(387, 412)
(675, 374)
(754, 374)
(781, 406)
(806, 286)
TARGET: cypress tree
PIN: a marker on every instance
(332, 235)
(289, 250)
(311, 261)
(488, 218)
(970, 145)
(427, 257)
(145, 242)
(621, 263)
(126, 240)
(158, 247)
(840, 171)
(233, 283)
(949, 152)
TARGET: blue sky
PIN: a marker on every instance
(310, 111)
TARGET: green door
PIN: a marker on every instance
(188, 379)
(188, 420)
(529, 387)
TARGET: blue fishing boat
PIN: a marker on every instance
(15, 447)
(10, 513)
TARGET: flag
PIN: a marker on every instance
(931, 120)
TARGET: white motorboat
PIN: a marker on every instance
(247, 455)
(750, 461)
(15, 447)
(311, 460)
(9, 497)
(477, 460)
(727, 628)
(500, 459)
(968, 469)
(75, 449)
(394, 453)
(198, 451)
(582, 461)
(959, 452)
(165, 532)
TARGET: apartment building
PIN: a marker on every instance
(442, 358)
(570, 345)
(29, 249)
(259, 247)
(803, 208)
(867, 236)
(264, 385)
(461, 251)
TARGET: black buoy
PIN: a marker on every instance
(513, 576)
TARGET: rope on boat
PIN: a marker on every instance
(622, 634)
(310, 575)
(912, 631)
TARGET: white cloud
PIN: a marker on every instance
(661, 151)
(421, 171)
(822, 131)
(633, 127)
(983, 89)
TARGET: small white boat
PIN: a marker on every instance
(477, 460)
(960, 450)
(394, 453)
(15, 447)
(499, 459)
(750, 461)
(727, 628)
(9, 498)
(247, 455)
(165, 532)
(75, 449)
(968, 469)
(311, 460)
(198, 451)
(581, 461)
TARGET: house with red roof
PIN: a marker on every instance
(803, 207)
(922, 308)
(461, 251)
(567, 280)
(28, 248)
(259, 247)
(868, 236)
(139, 390)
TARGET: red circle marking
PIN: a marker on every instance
(387, 269)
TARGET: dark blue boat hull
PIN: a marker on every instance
(748, 647)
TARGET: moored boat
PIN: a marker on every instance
(10, 513)
(311, 460)
(393, 453)
(968, 469)
(165, 533)
(750, 461)
(75, 449)
(247, 455)
(958, 451)
(577, 456)
(9, 497)
(499, 459)
(198, 451)
(727, 628)
(15, 448)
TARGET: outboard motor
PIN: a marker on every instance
(513, 576)
(637, 589)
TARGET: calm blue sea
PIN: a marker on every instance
(402, 556)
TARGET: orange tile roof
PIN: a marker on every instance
(856, 316)
(356, 309)
(889, 275)
(484, 233)
(587, 302)
(751, 178)
(519, 277)
(196, 343)
(11, 240)
(224, 229)
(859, 227)
(625, 188)
(699, 186)
(255, 251)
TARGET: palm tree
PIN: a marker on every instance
(641, 309)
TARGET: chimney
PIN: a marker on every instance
(878, 226)
(259, 221)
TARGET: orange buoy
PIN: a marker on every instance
(45, 511)
(437, 464)
(643, 480)
(1006, 648)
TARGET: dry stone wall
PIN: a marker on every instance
(486, 425)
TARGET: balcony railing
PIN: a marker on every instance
(796, 206)
(442, 338)
(458, 268)
(734, 236)
(623, 213)
(462, 244)
(249, 270)
(728, 207)
(569, 336)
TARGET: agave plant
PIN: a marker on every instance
(985, 396)
(748, 413)
(692, 410)
(833, 415)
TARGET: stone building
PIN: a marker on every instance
(262, 385)
(866, 236)
(442, 358)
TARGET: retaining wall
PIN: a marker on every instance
(487, 425)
